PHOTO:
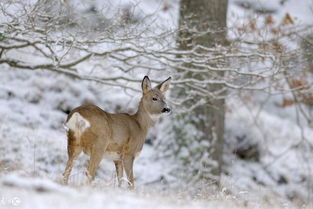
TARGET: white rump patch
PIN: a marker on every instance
(78, 124)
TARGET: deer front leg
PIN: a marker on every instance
(119, 171)
(128, 165)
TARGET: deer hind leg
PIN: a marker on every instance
(119, 171)
(73, 152)
(128, 165)
(94, 161)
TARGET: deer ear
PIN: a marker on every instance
(146, 84)
(164, 85)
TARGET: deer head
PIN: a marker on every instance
(153, 99)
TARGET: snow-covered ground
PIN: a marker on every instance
(33, 156)
(33, 106)
(25, 192)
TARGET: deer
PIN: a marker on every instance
(119, 137)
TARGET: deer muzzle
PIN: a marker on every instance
(166, 110)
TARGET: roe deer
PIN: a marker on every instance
(119, 137)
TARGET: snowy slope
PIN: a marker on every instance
(33, 106)
(26, 192)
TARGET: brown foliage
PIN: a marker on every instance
(269, 20)
(301, 97)
(287, 20)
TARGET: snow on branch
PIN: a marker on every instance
(39, 36)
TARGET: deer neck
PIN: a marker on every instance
(143, 117)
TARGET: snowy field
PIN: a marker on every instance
(18, 192)
(34, 105)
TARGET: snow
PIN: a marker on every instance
(29, 192)
(33, 106)
(280, 157)
(34, 156)
(301, 11)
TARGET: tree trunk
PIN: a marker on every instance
(203, 22)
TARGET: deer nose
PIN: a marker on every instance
(166, 109)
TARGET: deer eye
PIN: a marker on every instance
(154, 99)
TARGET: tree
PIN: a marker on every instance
(118, 53)
(202, 25)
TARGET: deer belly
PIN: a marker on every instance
(112, 155)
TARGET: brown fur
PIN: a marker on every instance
(122, 133)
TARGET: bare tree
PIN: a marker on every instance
(39, 36)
